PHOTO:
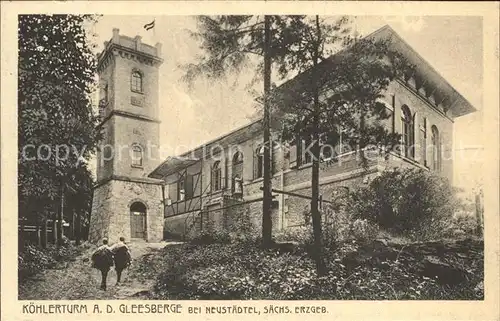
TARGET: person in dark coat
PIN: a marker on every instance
(122, 258)
(102, 259)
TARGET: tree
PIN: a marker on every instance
(333, 91)
(57, 127)
(227, 42)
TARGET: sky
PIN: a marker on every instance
(451, 44)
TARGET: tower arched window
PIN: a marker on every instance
(216, 180)
(136, 81)
(407, 132)
(436, 148)
(136, 156)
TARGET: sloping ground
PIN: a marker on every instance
(76, 280)
(380, 270)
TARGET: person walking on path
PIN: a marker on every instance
(102, 259)
(122, 257)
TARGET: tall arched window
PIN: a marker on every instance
(136, 156)
(136, 82)
(436, 149)
(407, 132)
(216, 180)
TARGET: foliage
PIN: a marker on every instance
(211, 237)
(339, 226)
(56, 123)
(240, 272)
(350, 85)
(33, 259)
(228, 42)
(411, 202)
(298, 234)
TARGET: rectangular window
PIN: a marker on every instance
(216, 179)
(185, 188)
(181, 191)
(307, 150)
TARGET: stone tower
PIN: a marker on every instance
(126, 202)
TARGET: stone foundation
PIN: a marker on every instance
(111, 210)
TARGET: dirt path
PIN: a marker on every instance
(78, 281)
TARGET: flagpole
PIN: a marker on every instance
(150, 26)
(154, 29)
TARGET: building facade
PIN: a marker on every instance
(217, 186)
(126, 201)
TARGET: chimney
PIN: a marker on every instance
(116, 35)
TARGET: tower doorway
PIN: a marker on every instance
(138, 220)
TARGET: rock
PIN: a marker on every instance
(434, 267)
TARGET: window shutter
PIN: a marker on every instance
(225, 178)
(255, 163)
(398, 125)
(423, 141)
(440, 152)
(211, 182)
(416, 137)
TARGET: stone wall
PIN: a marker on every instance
(111, 210)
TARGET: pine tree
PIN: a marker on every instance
(228, 42)
(336, 92)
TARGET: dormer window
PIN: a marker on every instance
(136, 82)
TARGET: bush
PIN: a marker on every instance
(297, 234)
(339, 225)
(410, 202)
(242, 272)
(211, 237)
(33, 259)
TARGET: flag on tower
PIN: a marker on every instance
(150, 25)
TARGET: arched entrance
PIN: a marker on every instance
(138, 220)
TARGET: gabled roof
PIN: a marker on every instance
(172, 165)
(457, 104)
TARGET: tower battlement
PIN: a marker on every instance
(131, 46)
